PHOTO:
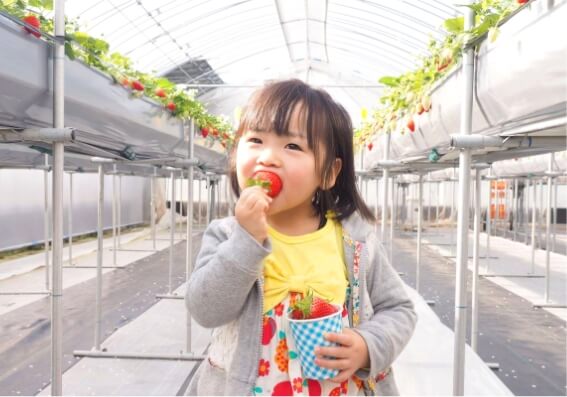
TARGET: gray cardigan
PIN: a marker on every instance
(226, 286)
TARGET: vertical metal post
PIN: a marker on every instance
(419, 220)
(386, 181)
(438, 202)
(181, 206)
(153, 207)
(488, 222)
(554, 214)
(171, 234)
(58, 166)
(114, 213)
(463, 219)
(189, 247)
(526, 209)
(534, 209)
(548, 229)
(99, 256)
(540, 214)
(119, 211)
(200, 208)
(70, 218)
(394, 213)
(429, 201)
(476, 251)
(46, 220)
(515, 216)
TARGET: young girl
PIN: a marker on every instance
(315, 234)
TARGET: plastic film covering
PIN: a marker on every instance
(521, 85)
(108, 122)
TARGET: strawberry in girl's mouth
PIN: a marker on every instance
(267, 180)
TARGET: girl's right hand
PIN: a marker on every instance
(251, 212)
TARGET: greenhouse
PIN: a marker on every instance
(301, 197)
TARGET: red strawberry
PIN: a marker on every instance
(321, 308)
(136, 85)
(171, 106)
(160, 92)
(204, 132)
(32, 20)
(370, 146)
(420, 109)
(522, 1)
(311, 307)
(267, 180)
(411, 125)
(215, 132)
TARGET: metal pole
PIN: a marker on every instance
(429, 201)
(526, 209)
(540, 214)
(488, 223)
(419, 220)
(554, 213)
(119, 211)
(189, 247)
(515, 216)
(181, 206)
(393, 220)
(386, 181)
(153, 207)
(114, 214)
(463, 219)
(376, 206)
(171, 233)
(58, 167)
(70, 218)
(99, 258)
(46, 220)
(476, 251)
(438, 202)
(533, 228)
(200, 208)
(548, 229)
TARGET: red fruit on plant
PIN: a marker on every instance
(136, 85)
(160, 92)
(125, 82)
(171, 106)
(215, 132)
(32, 20)
(370, 146)
(522, 1)
(204, 132)
(267, 180)
(420, 109)
(411, 125)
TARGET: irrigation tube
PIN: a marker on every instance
(463, 219)
(58, 169)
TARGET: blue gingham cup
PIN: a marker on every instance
(307, 335)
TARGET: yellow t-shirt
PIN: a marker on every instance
(310, 261)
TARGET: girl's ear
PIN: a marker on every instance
(332, 178)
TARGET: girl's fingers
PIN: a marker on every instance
(341, 364)
(344, 338)
(333, 351)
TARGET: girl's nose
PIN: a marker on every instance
(268, 158)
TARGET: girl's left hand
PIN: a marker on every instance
(350, 355)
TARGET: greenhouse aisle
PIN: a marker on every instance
(528, 344)
(127, 293)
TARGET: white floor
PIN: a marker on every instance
(512, 258)
(424, 368)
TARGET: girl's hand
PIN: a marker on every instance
(350, 355)
(251, 210)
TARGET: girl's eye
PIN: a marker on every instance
(254, 140)
(293, 146)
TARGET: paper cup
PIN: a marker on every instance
(308, 334)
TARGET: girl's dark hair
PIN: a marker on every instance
(328, 127)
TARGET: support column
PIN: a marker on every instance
(419, 226)
(476, 252)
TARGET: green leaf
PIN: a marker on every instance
(69, 51)
(35, 3)
(455, 25)
(390, 81)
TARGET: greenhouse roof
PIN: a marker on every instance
(342, 45)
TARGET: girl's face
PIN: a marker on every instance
(288, 156)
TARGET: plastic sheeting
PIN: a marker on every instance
(521, 82)
(108, 122)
